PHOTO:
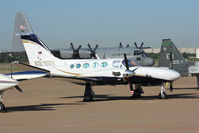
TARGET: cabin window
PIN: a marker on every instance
(131, 63)
(78, 65)
(86, 65)
(72, 66)
(116, 63)
(104, 64)
(95, 64)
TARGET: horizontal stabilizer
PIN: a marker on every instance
(27, 67)
(26, 75)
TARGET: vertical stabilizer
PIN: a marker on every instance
(38, 53)
(168, 50)
(21, 26)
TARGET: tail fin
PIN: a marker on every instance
(38, 53)
(168, 50)
(21, 26)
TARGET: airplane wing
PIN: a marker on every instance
(35, 72)
(30, 73)
(25, 75)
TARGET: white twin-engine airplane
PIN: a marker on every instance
(91, 72)
(8, 81)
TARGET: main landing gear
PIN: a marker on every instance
(137, 92)
(2, 106)
(162, 94)
(88, 93)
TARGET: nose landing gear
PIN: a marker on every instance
(162, 94)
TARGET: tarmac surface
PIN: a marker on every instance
(48, 105)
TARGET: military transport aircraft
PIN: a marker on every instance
(136, 53)
(8, 81)
(91, 72)
(171, 57)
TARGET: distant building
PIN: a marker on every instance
(182, 50)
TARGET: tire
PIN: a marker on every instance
(2, 107)
(88, 99)
(163, 95)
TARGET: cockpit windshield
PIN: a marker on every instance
(131, 63)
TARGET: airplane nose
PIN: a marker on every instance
(173, 75)
(148, 61)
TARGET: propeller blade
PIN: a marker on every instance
(134, 69)
(127, 45)
(141, 45)
(121, 45)
(135, 44)
(89, 46)
(95, 48)
(79, 47)
(18, 88)
(71, 44)
(126, 62)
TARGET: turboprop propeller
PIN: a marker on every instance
(93, 51)
(75, 51)
(128, 74)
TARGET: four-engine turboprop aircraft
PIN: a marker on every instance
(10, 80)
(91, 72)
(136, 53)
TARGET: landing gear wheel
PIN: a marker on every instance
(136, 96)
(162, 95)
(88, 99)
(2, 107)
(88, 93)
(137, 93)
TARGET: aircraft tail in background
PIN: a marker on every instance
(171, 57)
(21, 26)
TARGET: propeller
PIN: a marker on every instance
(127, 46)
(141, 45)
(18, 88)
(135, 44)
(128, 71)
(93, 51)
(75, 51)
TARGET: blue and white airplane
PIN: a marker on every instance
(8, 81)
(91, 72)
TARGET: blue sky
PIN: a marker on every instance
(104, 22)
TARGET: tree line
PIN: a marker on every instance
(7, 57)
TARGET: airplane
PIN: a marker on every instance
(171, 57)
(136, 53)
(133, 53)
(10, 80)
(92, 72)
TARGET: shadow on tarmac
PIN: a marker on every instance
(186, 89)
(99, 98)
(40, 107)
